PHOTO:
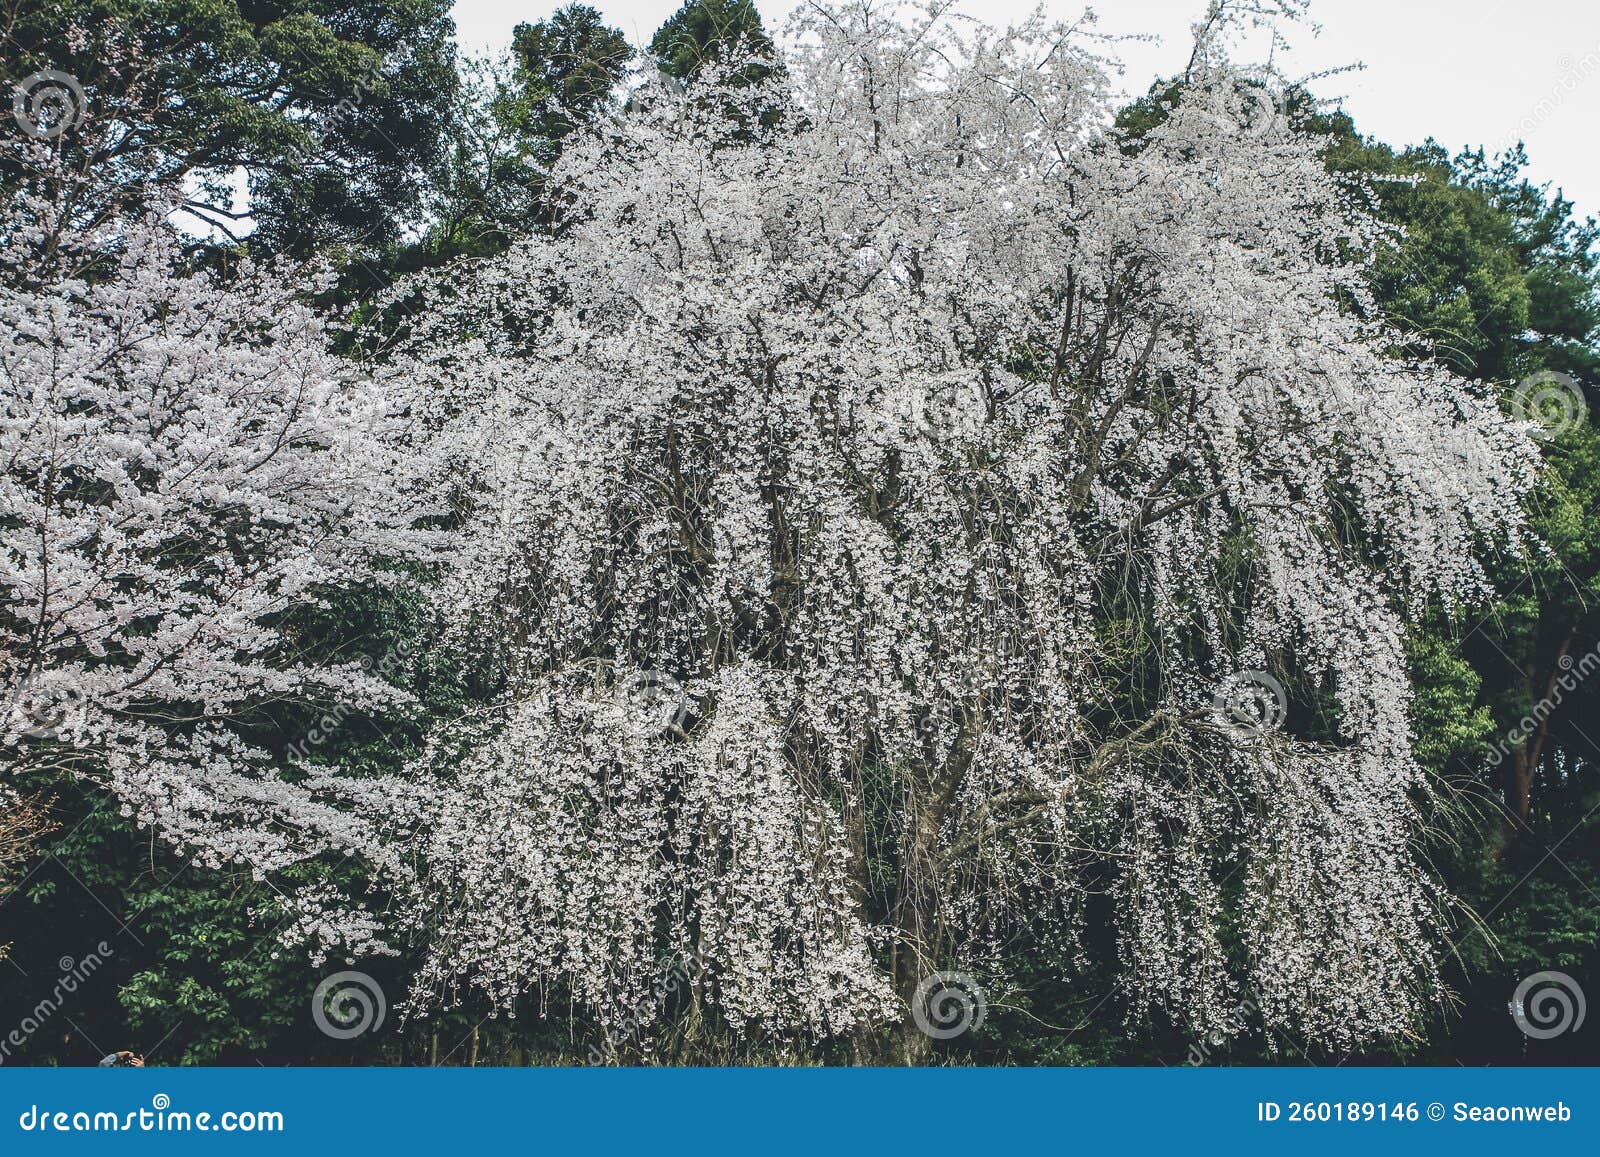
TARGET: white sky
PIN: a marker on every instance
(1466, 72)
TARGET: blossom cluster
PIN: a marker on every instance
(948, 449)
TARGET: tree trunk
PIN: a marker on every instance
(1519, 788)
(1526, 755)
(918, 912)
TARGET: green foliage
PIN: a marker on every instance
(703, 31)
(1494, 276)
(332, 110)
(508, 128)
(205, 981)
(1451, 728)
(198, 974)
(337, 112)
(567, 67)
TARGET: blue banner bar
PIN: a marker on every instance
(801, 1111)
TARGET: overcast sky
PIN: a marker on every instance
(1467, 72)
